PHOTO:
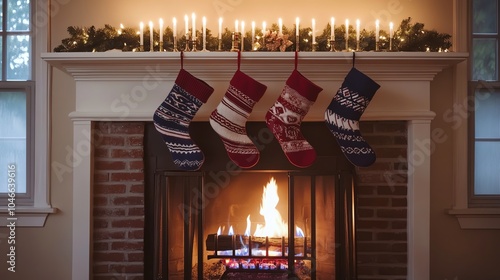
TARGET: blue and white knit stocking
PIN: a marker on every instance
(343, 114)
(173, 116)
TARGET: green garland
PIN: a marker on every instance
(408, 37)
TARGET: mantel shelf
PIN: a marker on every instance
(321, 66)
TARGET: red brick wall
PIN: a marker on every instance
(382, 204)
(118, 201)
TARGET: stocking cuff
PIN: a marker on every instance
(358, 82)
(246, 84)
(194, 86)
(303, 86)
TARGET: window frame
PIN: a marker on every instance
(484, 200)
(24, 199)
(35, 215)
(475, 200)
(468, 217)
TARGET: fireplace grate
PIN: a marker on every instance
(175, 190)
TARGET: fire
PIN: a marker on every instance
(274, 226)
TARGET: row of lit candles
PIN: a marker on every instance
(236, 28)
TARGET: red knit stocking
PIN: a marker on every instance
(285, 116)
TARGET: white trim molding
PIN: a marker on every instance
(477, 218)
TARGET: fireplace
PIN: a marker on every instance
(126, 88)
(248, 224)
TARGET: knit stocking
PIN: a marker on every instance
(173, 116)
(230, 117)
(285, 116)
(343, 114)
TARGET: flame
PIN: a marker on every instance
(249, 224)
(274, 225)
(299, 232)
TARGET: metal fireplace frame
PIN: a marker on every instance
(345, 225)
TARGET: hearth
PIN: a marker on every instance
(223, 222)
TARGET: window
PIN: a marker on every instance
(16, 99)
(24, 109)
(484, 189)
(15, 139)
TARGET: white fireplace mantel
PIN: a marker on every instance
(129, 86)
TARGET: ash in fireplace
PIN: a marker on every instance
(217, 271)
(211, 271)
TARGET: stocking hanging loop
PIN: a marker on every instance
(296, 59)
(239, 60)
(182, 59)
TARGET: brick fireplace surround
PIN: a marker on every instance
(116, 94)
(119, 203)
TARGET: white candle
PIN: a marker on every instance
(193, 31)
(253, 32)
(236, 23)
(280, 26)
(391, 26)
(141, 33)
(296, 26)
(186, 21)
(220, 28)
(313, 32)
(263, 28)
(204, 27)
(377, 30)
(161, 30)
(151, 31)
(357, 29)
(346, 29)
(242, 35)
(174, 21)
(332, 28)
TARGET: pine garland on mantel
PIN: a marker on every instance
(407, 37)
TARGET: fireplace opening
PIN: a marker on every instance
(274, 221)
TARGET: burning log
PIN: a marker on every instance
(236, 242)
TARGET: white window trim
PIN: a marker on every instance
(468, 218)
(36, 214)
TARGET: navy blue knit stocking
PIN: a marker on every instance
(173, 116)
(343, 114)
